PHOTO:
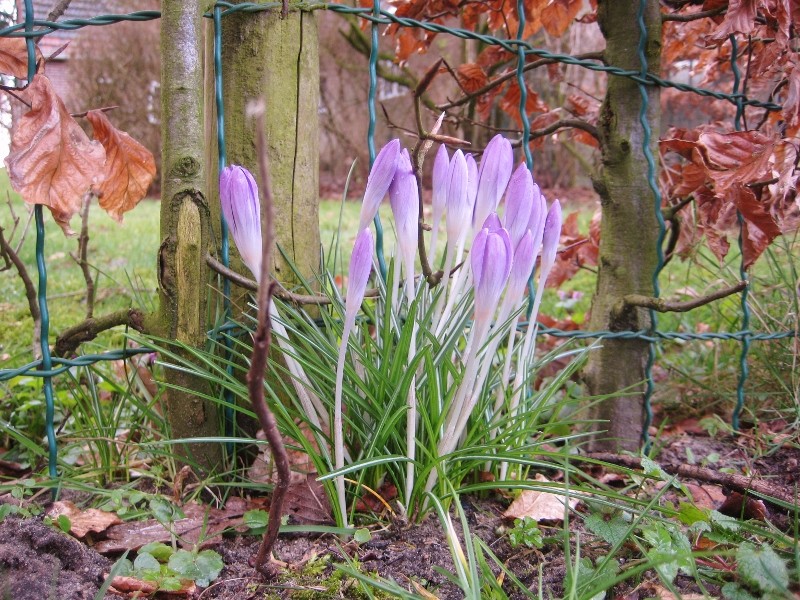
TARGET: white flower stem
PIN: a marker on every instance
(338, 429)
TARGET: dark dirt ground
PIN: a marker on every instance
(37, 562)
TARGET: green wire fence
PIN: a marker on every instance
(31, 28)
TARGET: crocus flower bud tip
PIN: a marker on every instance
(238, 194)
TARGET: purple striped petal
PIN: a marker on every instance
(404, 199)
(522, 266)
(380, 177)
(551, 236)
(359, 270)
(491, 258)
(441, 168)
(472, 181)
(238, 196)
(537, 218)
(459, 210)
(492, 222)
(519, 203)
(493, 176)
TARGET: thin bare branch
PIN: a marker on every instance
(686, 18)
(71, 338)
(82, 255)
(9, 255)
(666, 305)
(261, 344)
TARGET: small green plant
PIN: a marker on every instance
(525, 532)
(169, 569)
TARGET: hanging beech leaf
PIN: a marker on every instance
(52, 161)
(759, 229)
(471, 77)
(129, 170)
(739, 18)
(14, 57)
(559, 14)
(740, 157)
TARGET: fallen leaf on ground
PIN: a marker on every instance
(83, 521)
(201, 521)
(540, 506)
(706, 496)
(129, 585)
(307, 503)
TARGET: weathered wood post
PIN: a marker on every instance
(277, 58)
(186, 231)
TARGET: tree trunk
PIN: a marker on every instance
(185, 222)
(628, 229)
(266, 55)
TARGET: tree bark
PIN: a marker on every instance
(628, 229)
(185, 222)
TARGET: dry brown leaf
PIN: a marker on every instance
(83, 521)
(14, 57)
(307, 503)
(52, 161)
(129, 585)
(540, 506)
(471, 77)
(129, 170)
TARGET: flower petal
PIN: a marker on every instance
(404, 199)
(459, 210)
(238, 194)
(359, 270)
(493, 176)
(519, 202)
(551, 236)
(380, 177)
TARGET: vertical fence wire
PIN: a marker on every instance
(647, 138)
(225, 238)
(44, 312)
(373, 88)
(745, 304)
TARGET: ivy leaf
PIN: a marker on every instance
(159, 550)
(202, 568)
(614, 531)
(52, 161)
(129, 169)
(146, 564)
(762, 568)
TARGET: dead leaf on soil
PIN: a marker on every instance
(423, 592)
(131, 585)
(200, 521)
(705, 495)
(129, 169)
(83, 521)
(307, 503)
(540, 506)
(52, 161)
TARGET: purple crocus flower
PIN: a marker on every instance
(459, 210)
(493, 223)
(519, 202)
(491, 258)
(441, 168)
(380, 177)
(238, 196)
(521, 266)
(404, 199)
(550, 238)
(493, 176)
(472, 180)
(358, 273)
(537, 218)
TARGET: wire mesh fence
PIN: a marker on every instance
(48, 367)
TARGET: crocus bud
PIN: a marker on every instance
(495, 170)
(537, 218)
(380, 177)
(521, 266)
(441, 167)
(551, 236)
(358, 273)
(491, 264)
(238, 196)
(404, 199)
(492, 223)
(519, 201)
(459, 210)
(472, 180)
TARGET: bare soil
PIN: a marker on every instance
(39, 562)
